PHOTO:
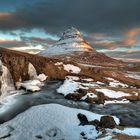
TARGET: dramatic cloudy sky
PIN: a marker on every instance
(110, 26)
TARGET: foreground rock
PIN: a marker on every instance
(107, 122)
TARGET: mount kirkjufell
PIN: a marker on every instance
(71, 41)
(72, 47)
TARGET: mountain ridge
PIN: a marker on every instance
(72, 47)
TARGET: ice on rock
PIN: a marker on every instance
(36, 81)
(32, 71)
(33, 74)
(42, 77)
(30, 85)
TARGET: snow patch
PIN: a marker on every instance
(72, 68)
(124, 101)
(68, 87)
(127, 131)
(105, 138)
(88, 79)
(71, 85)
(69, 67)
(30, 85)
(89, 95)
(42, 77)
(115, 83)
(113, 94)
(58, 63)
(74, 78)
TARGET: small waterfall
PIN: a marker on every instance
(6, 80)
(32, 72)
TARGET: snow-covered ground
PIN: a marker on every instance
(127, 131)
(70, 85)
(54, 122)
(115, 83)
(113, 94)
(69, 67)
(51, 122)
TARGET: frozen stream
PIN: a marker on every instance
(128, 113)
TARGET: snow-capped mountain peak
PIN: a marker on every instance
(71, 33)
(71, 41)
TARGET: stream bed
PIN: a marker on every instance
(128, 113)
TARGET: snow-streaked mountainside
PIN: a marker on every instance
(72, 47)
(71, 41)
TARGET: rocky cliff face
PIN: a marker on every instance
(18, 65)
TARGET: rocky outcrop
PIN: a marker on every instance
(18, 64)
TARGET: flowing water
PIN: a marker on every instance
(128, 113)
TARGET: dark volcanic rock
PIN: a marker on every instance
(95, 122)
(83, 119)
(74, 96)
(107, 122)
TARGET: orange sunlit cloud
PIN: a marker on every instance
(4, 15)
(128, 40)
(11, 43)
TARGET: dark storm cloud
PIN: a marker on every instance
(105, 41)
(45, 42)
(87, 15)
